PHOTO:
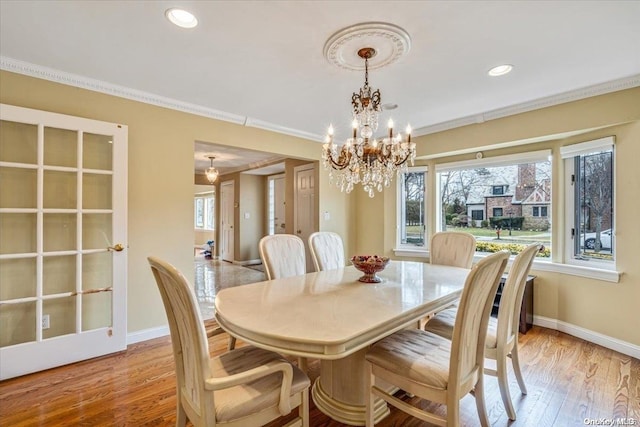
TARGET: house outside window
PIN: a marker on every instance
(590, 189)
(412, 208)
(507, 189)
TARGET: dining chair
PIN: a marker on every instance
(434, 368)
(502, 334)
(282, 255)
(454, 248)
(327, 250)
(244, 387)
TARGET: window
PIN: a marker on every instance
(411, 208)
(539, 211)
(590, 193)
(514, 220)
(204, 208)
(477, 215)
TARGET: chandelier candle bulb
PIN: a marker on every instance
(408, 130)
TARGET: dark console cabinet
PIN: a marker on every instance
(526, 312)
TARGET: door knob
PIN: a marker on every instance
(299, 231)
(118, 247)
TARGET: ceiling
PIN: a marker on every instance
(262, 64)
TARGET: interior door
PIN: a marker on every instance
(227, 203)
(304, 207)
(278, 205)
(63, 231)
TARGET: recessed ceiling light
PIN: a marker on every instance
(500, 70)
(181, 18)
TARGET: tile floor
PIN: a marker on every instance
(213, 275)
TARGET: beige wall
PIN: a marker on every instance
(251, 203)
(603, 307)
(161, 179)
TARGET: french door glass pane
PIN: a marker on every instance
(62, 316)
(17, 323)
(18, 188)
(96, 310)
(97, 152)
(18, 278)
(18, 142)
(59, 274)
(96, 191)
(59, 232)
(96, 231)
(17, 233)
(60, 190)
(97, 270)
(60, 147)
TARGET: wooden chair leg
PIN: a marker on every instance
(303, 410)
(480, 404)
(503, 382)
(232, 343)
(516, 368)
(181, 416)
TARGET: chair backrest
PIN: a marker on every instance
(188, 338)
(472, 319)
(327, 250)
(452, 248)
(513, 291)
(282, 255)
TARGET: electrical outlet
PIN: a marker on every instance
(45, 321)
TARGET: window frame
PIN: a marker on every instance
(568, 155)
(399, 206)
(208, 201)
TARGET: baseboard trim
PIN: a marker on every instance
(620, 346)
(147, 334)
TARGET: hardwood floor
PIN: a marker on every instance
(569, 380)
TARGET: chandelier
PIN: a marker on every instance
(363, 158)
(211, 172)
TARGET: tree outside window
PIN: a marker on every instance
(412, 230)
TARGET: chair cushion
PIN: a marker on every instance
(242, 400)
(415, 354)
(442, 324)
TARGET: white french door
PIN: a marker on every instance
(63, 231)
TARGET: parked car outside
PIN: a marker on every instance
(605, 239)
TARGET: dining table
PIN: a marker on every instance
(332, 316)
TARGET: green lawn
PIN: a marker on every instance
(517, 236)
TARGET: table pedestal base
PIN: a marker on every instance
(340, 391)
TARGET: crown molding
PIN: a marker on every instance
(536, 104)
(255, 123)
(46, 73)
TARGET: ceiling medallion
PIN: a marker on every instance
(389, 41)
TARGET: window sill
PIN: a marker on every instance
(539, 265)
(411, 252)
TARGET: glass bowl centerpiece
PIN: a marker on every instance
(369, 265)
